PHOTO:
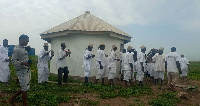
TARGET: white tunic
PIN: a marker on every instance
(128, 59)
(101, 57)
(171, 59)
(141, 57)
(184, 66)
(122, 60)
(61, 63)
(140, 73)
(87, 62)
(112, 65)
(184, 63)
(43, 70)
(150, 68)
(127, 69)
(4, 66)
(159, 62)
(43, 61)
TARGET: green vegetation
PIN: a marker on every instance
(194, 71)
(165, 99)
(51, 94)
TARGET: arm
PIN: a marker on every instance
(141, 63)
(178, 66)
(15, 59)
(165, 66)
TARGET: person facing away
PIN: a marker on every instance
(101, 63)
(141, 59)
(87, 60)
(43, 59)
(4, 63)
(184, 63)
(112, 65)
(22, 64)
(61, 64)
(128, 66)
(122, 56)
(159, 59)
(172, 68)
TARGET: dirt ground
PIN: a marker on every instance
(192, 100)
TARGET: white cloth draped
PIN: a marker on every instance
(4, 66)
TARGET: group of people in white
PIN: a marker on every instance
(134, 66)
(137, 66)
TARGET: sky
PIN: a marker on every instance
(153, 23)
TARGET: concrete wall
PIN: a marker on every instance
(77, 43)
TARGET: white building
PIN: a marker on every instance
(77, 34)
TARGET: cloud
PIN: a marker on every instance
(32, 17)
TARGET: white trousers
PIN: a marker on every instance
(43, 74)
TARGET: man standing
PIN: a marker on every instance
(122, 56)
(22, 64)
(112, 65)
(141, 59)
(101, 64)
(159, 59)
(4, 62)
(61, 64)
(172, 67)
(43, 59)
(128, 65)
(184, 67)
(87, 62)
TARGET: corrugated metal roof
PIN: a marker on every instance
(85, 22)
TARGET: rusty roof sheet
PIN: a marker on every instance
(85, 22)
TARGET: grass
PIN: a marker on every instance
(49, 94)
(165, 99)
(194, 71)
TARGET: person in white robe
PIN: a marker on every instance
(43, 59)
(62, 64)
(136, 64)
(150, 68)
(112, 65)
(184, 62)
(87, 60)
(172, 67)
(122, 56)
(141, 59)
(101, 64)
(128, 65)
(4, 62)
(159, 66)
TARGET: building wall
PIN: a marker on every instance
(77, 43)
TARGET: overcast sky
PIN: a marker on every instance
(152, 23)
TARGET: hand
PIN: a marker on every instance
(106, 55)
(52, 53)
(180, 72)
(7, 60)
(118, 59)
(101, 67)
(93, 56)
(25, 63)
